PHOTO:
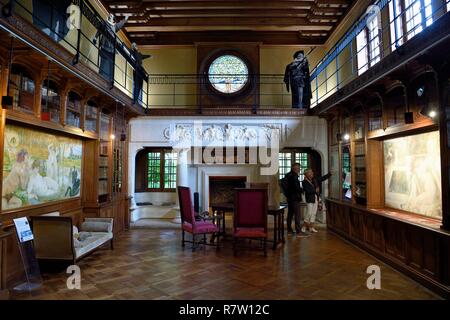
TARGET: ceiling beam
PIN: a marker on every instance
(224, 13)
(202, 5)
(231, 22)
(189, 38)
(296, 28)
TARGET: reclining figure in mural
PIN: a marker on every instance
(40, 186)
(17, 179)
(297, 76)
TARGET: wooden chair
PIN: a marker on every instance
(190, 224)
(250, 216)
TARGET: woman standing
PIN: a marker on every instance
(311, 188)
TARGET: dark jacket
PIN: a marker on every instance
(297, 74)
(310, 187)
(294, 190)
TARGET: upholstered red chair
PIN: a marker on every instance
(190, 224)
(250, 216)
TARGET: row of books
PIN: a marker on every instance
(103, 173)
(103, 161)
(360, 162)
(102, 187)
(360, 176)
(360, 149)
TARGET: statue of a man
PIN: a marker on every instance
(106, 38)
(138, 75)
(297, 76)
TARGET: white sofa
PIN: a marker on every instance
(94, 233)
(55, 237)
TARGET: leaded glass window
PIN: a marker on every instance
(170, 170)
(154, 167)
(161, 170)
(286, 159)
(228, 74)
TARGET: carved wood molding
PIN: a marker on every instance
(226, 111)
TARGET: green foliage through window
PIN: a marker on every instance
(162, 170)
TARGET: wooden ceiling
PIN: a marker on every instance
(184, 22)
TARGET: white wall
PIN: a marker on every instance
(170, 132)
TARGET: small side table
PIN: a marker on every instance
(278, 224)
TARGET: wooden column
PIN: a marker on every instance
(444, 133)
(83, 112)
(375, 174)
(63, 105)
(37, 96)
(4, 79)
(3, 289)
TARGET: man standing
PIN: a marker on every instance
(297, 76)
(311, 186)
(106, 35)
(294, 197)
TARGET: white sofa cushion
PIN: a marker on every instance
(92, 240)
(96, 226)
(52, 214)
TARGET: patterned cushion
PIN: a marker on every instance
(200, 227)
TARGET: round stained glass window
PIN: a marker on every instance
(228, 74)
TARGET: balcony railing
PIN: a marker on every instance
(202, 91)
(118, 66)
(340, 65)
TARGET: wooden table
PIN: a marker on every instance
(222, 209)
(276, 211)
(278, 224)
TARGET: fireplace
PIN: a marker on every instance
(221, 188)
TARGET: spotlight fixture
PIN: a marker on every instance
(7, 102)
(430, 112)
(409, 117)
(123, 136)
(346, 137)
(420, 91)
(113, 136)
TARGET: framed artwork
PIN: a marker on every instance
(413, 175)
(39, 167)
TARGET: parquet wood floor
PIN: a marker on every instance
(151, 264)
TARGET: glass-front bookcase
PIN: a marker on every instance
(90, 118)
(334, 180)
(104, 156)
(359, 160)
(73, 110)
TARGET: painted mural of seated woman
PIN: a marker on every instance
(16, 181)
(39, 186)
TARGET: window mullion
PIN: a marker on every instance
(404, 21)
(161, 169)
(422, 14)
(368, 47)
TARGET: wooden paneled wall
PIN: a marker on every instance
(420, 252)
